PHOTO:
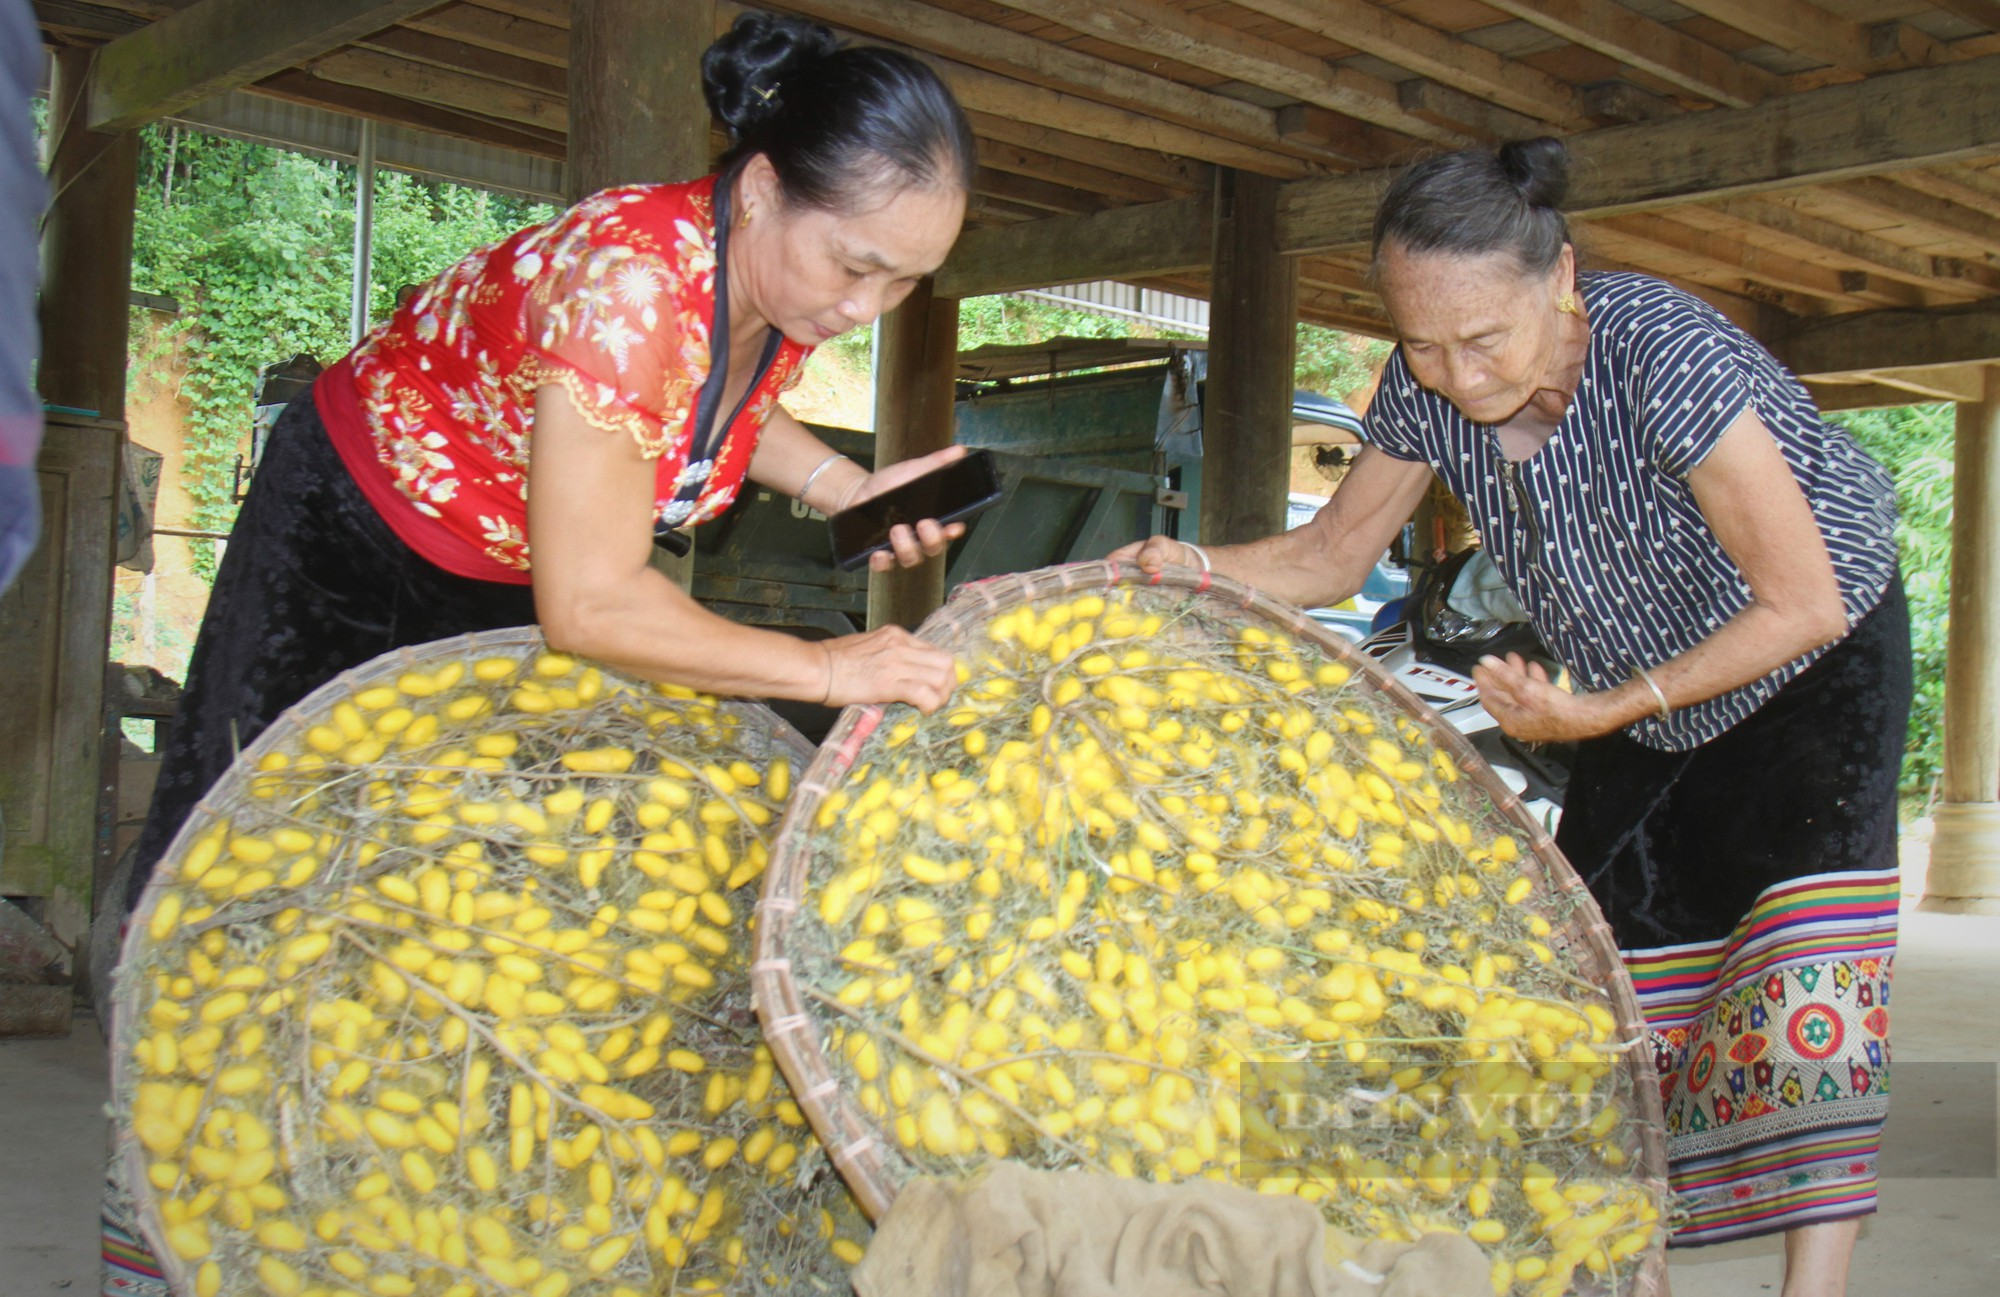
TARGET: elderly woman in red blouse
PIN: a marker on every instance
(503, 449)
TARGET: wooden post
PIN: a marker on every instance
(635, 107)
(636, 112)
(55, 622)
(914, 372)
(86, 251)
(1246, 416)
(1965, 847)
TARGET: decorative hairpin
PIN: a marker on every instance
(764, 94)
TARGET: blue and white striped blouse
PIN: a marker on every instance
(1598, 532)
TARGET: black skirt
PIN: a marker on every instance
(1677, 846)
(313, 582)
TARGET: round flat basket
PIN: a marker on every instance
(1180, 885)
(443, 990)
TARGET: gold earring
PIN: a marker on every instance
(1567, 304)
(744, 223)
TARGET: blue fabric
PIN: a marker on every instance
(22, 193)
(1627, 573)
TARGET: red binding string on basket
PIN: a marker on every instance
(864, 725)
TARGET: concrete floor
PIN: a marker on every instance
(1938, 1232)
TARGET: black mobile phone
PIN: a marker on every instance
(953, 493)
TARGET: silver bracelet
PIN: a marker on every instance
(1659, 696)
(1201, 555)
(813, 476)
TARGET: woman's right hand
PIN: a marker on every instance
(888, 665)
(1155, 553)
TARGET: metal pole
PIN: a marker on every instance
(364, 231)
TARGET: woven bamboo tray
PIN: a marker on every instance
(258, 796)
(797, 1021)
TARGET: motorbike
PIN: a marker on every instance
(1457, 611)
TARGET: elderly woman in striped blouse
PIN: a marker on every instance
(1715, 565)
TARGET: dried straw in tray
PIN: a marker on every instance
(1180, 885)
(442, 991)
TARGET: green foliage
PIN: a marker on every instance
(1915, 444)
(1336, 363)
(257, 244)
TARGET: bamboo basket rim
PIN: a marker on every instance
(224, 798)
(859, 1147)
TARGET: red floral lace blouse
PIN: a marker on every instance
(613, 300)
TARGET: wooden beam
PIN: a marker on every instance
(1943, 383)
(297, 87)
(1215, 47)
(1153, 239)
(1048, 168)
(1247, 402)
(1001, 96)
(1760, 264)
(1149, 166)
(1637, 41)
(1861, 251)
(442, 52)
(1077, 77)
(1886, 123)
(434, 85)
(1801, 27)
(1981, 13)
(1059, 199)
(1873, 340)
(1832, 397)
(219, 45)
(1442, 57)
(1354, 142)
(523, 38)
(1943, 217)
(69, 18)
(1621, 102)
(1441, 105)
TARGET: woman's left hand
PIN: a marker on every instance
(910, 546)
(1520, 696)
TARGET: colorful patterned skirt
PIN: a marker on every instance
(1753, 888)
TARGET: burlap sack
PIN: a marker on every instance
(1017, 1232)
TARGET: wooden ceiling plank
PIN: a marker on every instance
(987, 92)
(1652, 47)
(554, 12)
(294, 86)
(1170, 172)
(1887, 123)
(1762, 264)
(1034, 164)
(1862, 251)
(1428, 52)
(998, 51)
(1441, 105)
(1205, 43)
(219, 45)
(1062, 200)
(1806, 28)
(442, 52)
(1948, 219)
(447, 89)
(501, 33)
(1355, 142)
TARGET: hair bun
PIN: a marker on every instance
(1538, 169)
(744, 71)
